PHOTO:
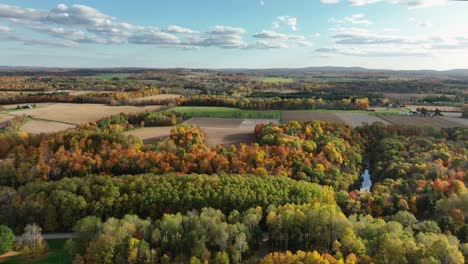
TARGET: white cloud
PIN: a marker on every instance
(83, 24)
(285, 20)
(268, 34)
(363, 42)
(179, 30)
(316, 35)
(220, 36)
(265, 44)
(329, 1)
(279, 40)
(154, 37)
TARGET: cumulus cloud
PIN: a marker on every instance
(268, 34)
(179, 30)
(77, 24)
(272, 39)
(220, 36)
(153, 37)
(285, 20)
(363, 42)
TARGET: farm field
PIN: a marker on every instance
(80, 113)
(226, 112)
(327, 116)
(150, 134)
(459, 120)
(277, 80)
(355, 119)
(157, 97)
(436, 122)
(442, 108)
(34, 126)
(407, 96)
(4, 119)
(222, 131)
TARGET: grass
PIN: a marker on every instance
(225, 112)
(55, 255)
(277, 80)
(110, 76)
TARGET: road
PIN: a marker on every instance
(52, 236)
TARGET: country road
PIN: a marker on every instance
(52, 236)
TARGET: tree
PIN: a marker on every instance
(7, 238)
(32, 239)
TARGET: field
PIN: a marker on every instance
(436, 122)
(226, 112)
(408, 96)
(55, 254)
(218, 131)
(150, 134)
(110, 76)
(79, 113)
(434, 107)
(277, 80)
(34, 126)
(4, 119)
(157, 97)
(355, 119)
(221, 131)
(306, 115)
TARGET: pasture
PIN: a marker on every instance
(226, 112)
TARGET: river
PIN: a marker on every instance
(366, 181)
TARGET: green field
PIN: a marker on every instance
(277, 80)
(112, 75)
(225, 112)
(55, 255)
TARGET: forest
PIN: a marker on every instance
(291, 193)
(178, 200)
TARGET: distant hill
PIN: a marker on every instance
(284, 71)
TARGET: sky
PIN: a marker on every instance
(384, 34)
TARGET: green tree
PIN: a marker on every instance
(7, 238)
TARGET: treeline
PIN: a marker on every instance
(110, 98)
(275, 103)
(211, 236)
(57, 206)
(29, 157)
(122, 122)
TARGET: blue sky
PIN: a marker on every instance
(394, 34)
